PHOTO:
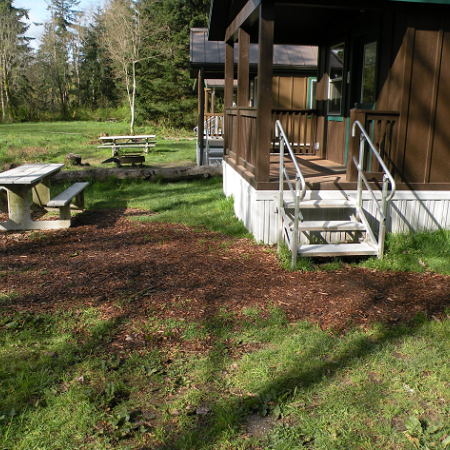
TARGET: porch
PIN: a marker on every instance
(381, 68)
(302, 128)
(416, 206)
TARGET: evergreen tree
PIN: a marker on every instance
(166, 93)
(58, 47)
(98, 85)
(13, 48)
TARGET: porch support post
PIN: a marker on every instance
(201, 113)
(229, 90)
(242, 92)
(264, 91)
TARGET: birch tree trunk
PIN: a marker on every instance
(127, 38)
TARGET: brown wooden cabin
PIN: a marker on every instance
(385, 63)
(294, 75)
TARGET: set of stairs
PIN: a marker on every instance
(321, 227)
(346, 228)
(214, 151)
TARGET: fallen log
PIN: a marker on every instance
(166, 174)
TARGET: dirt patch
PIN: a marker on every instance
(259, 426)
(133, 270)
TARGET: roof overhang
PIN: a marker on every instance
(304, 22)
(210, 55)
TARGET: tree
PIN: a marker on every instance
(98, 86)
(58, 43)
(13, 46)
(129, 38)
(166, 93)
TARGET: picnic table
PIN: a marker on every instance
(35, 179)
(116, 143)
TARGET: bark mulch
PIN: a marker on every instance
(132, 270)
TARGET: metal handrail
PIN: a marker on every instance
(298, 193)
(377, 155)
(387, 178)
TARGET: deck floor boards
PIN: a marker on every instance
(314, 169)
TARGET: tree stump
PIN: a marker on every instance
(73, 159)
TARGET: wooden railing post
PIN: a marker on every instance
(228, 95)
(242, 93)
(353, 145)
(201, 113)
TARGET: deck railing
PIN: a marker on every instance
(300, 127)
(241, 136)
(388, 179)
(382, 128)
(214, 125)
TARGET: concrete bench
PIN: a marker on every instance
(3, 200)
(63, 200)
(117, 147)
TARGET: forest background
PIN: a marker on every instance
(125, 59)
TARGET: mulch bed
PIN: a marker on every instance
(132, 270)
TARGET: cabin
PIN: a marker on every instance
(294, 76)
(376, 156)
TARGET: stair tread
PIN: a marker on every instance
(323, 204)
(337, 249)
(328, 225)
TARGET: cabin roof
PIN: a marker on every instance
(305, 22)
(211, 56)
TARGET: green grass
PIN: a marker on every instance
(415, 252)
(197, 203)
(62, 388)
(48, 142)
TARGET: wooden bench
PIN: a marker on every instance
(64, 200)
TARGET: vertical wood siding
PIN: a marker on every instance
(289, 92)
(336, 141)
(418, 84)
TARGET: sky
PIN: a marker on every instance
(37, 11)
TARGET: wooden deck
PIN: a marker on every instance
(319, 173)
(315, 170)
(323, 174)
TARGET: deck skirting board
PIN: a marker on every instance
(408, 211)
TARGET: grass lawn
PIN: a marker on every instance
(49, 142)
(261, 383)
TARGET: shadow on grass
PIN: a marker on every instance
(228, 416)
(228, 412)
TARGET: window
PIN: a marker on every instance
(335, 84)
(368, 74)
(312, 85)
